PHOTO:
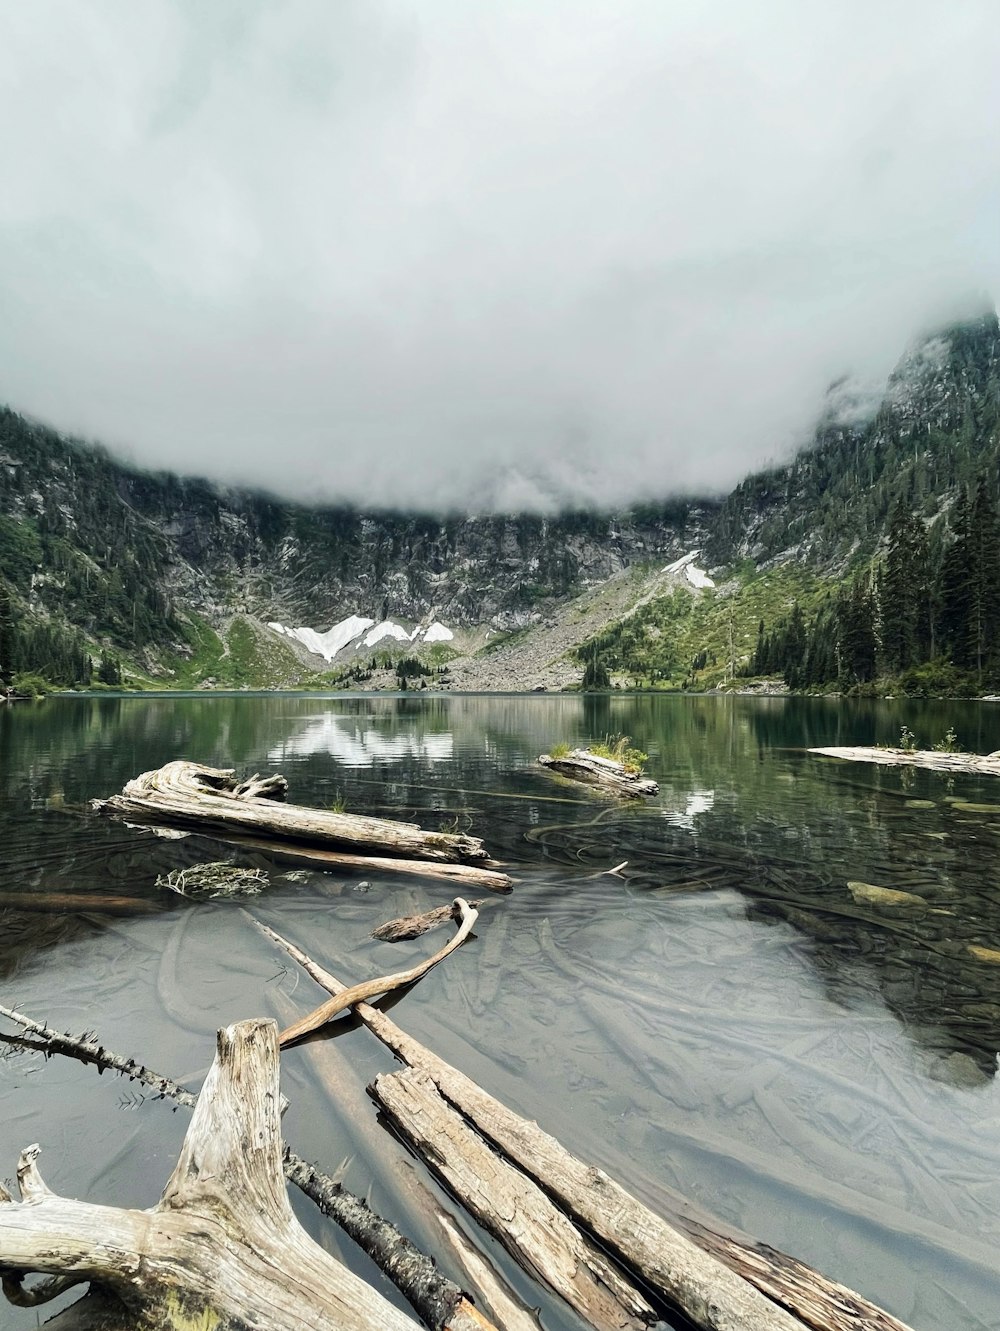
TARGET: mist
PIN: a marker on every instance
(482, 257)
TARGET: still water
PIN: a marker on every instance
(725, 1020)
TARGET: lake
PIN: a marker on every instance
(726, 1019)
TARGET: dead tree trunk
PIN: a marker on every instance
(313, 857)
(512, 1206)
(188, 795)
(438, 1301)
(222, 1244)
(592, 770)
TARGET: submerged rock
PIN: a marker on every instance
(869, 894)
(990, 954)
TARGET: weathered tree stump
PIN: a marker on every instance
(222, 1245)
(592, 770)
(187, 794)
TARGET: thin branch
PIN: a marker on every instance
(92, 1051)
(382, 984)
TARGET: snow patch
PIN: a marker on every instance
(687, 568)
(327, 644)
(350, 630)
(387, 629)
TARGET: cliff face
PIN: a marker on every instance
(120, 553)
(237, 551)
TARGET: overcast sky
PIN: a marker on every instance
(497, 254)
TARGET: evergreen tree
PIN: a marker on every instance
(905, 592)
(109, 670)
(595, 672)
(856, 641)
(6, 635)
(955, 585)
(970, 582)
(983, 627)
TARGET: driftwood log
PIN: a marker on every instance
(222, 1245)
(439, 1302)
(720, 1283)
(383, 984)
(592, 770)
(186, 794)
(512, 1206)
(412, 926)
(465, 875)
(976, 763)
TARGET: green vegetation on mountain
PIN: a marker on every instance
(873, 556)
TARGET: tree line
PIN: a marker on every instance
(35, 656)
(927, 612)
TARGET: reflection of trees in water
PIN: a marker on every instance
(741, 806)
(915, 955)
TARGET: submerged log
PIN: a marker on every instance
(468, 875)
(68, 902)
(742, 1287)
(582, 765)
(982, 764)
(511, 1206)
(412, 926)
(222, 1247)
(189, 795)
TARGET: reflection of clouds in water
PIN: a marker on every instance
(353, 744)
(698, 801)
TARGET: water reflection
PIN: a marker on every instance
(726, 1015)
(356, 742)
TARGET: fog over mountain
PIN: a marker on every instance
(453, 255)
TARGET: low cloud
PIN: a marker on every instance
(449, 255)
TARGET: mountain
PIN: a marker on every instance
(189, 582)
(931, 430)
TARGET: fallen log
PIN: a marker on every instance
(438, 1301)
(88, 1049)
(382, 984)
(508, 1309)
(732, 1290)
(511, 1206)
(466, 875)
(222, 1247)
(593, 770)
(187, 794)
(981, 764)
(79, 901)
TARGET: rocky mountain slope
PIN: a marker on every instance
(190, 582)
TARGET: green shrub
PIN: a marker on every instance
(949, 744)
(907, 740)
(29, 685)
(618, 749)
